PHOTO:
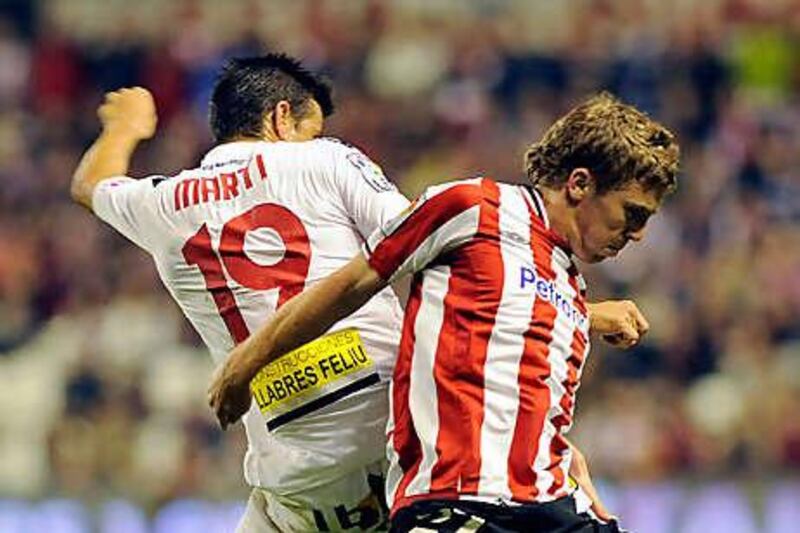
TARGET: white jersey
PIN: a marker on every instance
(237, 237)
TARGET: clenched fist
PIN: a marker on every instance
(129, 111)
(229, 395)
(618, 322)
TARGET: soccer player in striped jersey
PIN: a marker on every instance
(496, 329)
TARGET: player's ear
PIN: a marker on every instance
(580, 185)
(279, 124)
(283, 121)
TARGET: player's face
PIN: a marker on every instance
(286, 124)
(606, 223)
(308, 126)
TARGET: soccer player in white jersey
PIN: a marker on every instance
(238, 236)
(496, 329)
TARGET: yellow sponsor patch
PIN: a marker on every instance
(321, 366)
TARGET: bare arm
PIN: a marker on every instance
(579, 471)
(128, 116)
(303, 319)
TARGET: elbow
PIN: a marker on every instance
(74, 191)
(78, 193)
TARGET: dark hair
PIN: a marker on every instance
(247, 88)
(616, 142)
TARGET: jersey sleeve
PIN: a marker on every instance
(126, 204)
(440, 220)
(368, 197)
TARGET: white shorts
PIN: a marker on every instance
(351, 503)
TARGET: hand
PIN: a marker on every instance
(579, 471)
(618, 322)
(228, 396)
(130, 111)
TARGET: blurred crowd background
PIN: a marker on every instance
(103, 424)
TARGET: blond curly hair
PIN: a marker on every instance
(616, 142)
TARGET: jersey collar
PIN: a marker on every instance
(232, 152)
(536, 205)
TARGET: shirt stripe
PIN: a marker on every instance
(579, 350)
(404, 448)
(534, 398)
(501, 396)
(484, 264)
(423, 400)
(551, 445)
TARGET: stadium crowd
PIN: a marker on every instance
(104, 382)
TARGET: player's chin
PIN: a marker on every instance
(593, 257)
(608, 252)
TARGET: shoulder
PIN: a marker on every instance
(353, 163)
(338, 148)
(325, 150)
(464, 193)
(328, 146)
(335, 144)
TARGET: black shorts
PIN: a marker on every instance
(559, 516)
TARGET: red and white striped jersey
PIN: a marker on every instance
(237, 237)
(494, 340)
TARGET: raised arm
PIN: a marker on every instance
(303, 319)
(128, 116)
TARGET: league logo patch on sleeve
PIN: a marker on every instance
(371, 172)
